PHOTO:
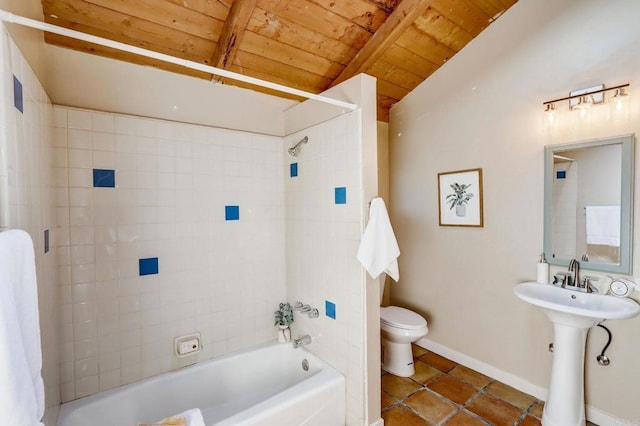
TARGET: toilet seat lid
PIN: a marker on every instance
(396, 316)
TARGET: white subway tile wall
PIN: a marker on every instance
(323, 233)
(222, 278)
(26, 193)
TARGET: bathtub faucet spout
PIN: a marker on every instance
(304, 340)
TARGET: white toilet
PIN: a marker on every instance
(399, 327)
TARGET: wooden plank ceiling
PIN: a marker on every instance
(306, 44)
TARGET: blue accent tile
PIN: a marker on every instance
(46, 240)
(148, 266)
(231, 212)
(293, 169)
(17, 94)
(103, 178)
(330, 309)
(561, 174)
(341, 195)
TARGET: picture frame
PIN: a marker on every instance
(460, 198)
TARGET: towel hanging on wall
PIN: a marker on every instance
(21, 385)
(603, 225)
(378, 251)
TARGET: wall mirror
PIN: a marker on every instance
(588, 204)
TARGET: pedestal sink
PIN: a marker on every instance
(572, 314)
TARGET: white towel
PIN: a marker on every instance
(21, 385)
(191, 417)
(603, 225)
(379, 251)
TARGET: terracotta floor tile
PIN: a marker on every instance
(463, 418)
(494, 410)
(536, 410)
(453, 389)
(417, 350)
(386, 400)
(430, 406)
(424, 372)
(398, 387)
(400, 415)
(530, 421)
(511, 395)
(406, 402)
(470, 376)
(439, 362)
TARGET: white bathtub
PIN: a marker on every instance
(266, 385)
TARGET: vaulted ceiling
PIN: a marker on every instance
(305, 44)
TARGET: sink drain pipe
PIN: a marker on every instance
(602, 358)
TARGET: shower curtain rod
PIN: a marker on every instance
(39, 25)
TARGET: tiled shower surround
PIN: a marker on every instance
(323, 211)
(158, 229)
(26, 192)
(157, 255)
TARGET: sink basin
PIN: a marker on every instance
(572, 314)
(593, 306)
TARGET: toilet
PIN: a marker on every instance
(399, 327)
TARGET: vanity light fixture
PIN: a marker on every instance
(586, 98)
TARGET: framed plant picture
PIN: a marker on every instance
(460, 198)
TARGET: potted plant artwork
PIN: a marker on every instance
(283, 319)
(459, 198)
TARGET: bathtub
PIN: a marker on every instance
(266, 385)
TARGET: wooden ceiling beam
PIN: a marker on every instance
(231, 35)
(402, 17)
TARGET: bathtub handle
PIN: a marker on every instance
(306, 309)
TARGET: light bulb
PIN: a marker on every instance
(550, 118)
(619, 105)
(551, 113)
(619, 98)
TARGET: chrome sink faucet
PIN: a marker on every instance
(304, 340)
(585, 284)
(574, 266)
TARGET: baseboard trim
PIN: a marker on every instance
(378, 422)
(484, 368)
(593, 414)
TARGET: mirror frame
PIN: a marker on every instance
(626, 203)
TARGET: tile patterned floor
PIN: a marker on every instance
(444, 393)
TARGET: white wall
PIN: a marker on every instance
(173, 182)
(26, 194)
(484, 109)
(88, 81)
(30, 42)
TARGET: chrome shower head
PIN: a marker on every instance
(293, 151)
